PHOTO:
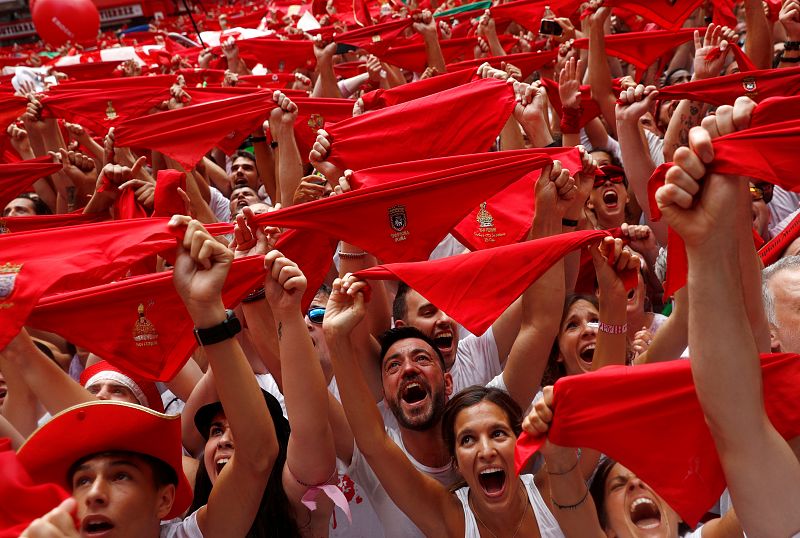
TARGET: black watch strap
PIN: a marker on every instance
(218, 333)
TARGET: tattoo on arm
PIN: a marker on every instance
(280, 330)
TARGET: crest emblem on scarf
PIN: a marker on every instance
(397, 218)
(749, 84)
(316, 122)
(111, 114)
(484, 218)
(8, 279)
(144, 332)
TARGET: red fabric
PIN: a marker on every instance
(404, 220)
(775, 110)
(475, 288)
(89, 71)
(202, 77)
(648, 418)
(377, 38)
(167, 341)
(668, 15)
(126, 206)
(119, 83)
(465, 119)
(406, 92)
(313, 252)
(166, 199)
(63, 259)
(723, 13)
(529, 13)
(274, 54)
(758, 85)
(11, 108)
(41, 222)
(527, 62)
(273, 80)
(23, 501)
(642, 49)
(18, 177)
(589, 107)
(413, 58)
(201, 95)
(314, 113)
(775, 247)
(186, 134)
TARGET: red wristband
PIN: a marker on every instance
(571, 120)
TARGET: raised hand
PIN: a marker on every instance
(319, 154)
(346, 306)
(424, 23)
(790, 19)
(310, 189)
(251, 239)
(611, 259)
(706, 66)
(555, 190)
(286, 112)
(635, 102)
(57, 523)
(285, 283)
(569, 83)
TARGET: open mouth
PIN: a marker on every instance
(631, 293)
(587, 353)
(220, 463)
(96, 526)
(645, 513)
(414, 393)
(492, 480)
(3, 393)
(610, 198)
(443, 340)
(241, 204)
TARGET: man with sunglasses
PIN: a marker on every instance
(609, 196)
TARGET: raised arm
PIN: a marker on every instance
(422, 498)
(290, 166)
(725, 362)
(425, 25)
(200, 270)
(598, 73)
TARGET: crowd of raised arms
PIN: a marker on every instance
(384, 268)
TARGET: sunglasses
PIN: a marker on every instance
(763, 192)
(609, 172)
(316, 315)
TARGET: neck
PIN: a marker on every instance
(427, 447)
(609, 222)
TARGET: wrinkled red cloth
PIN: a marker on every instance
(465, 119)
(648, 418)
(404, 220)
(529, 13)
(275, 54)
(115, 84)
(91, 70)
(166, 199)
(475, 288)
(17, 178)
(153, 335)
(63, 259)
(186, 134)
(313, 252)
(668, 15)
(314, 113)
(413, 57)
(527, 62)
(758, 85)
(100, 109)
(381, 98)
(376, 38)
(11, 108)
(41, 222)
(775, 110)
(642, 49)
(775, 247)
(23, 500)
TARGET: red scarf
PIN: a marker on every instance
(90, 71)
(275, 54)
(18, 177)
(406, 92)
(314, 113)
(166, 200)
(186, 134)
(775, 247)
(648, 418)
(642, 49)
(151, 336)
(41, 222)
(404, 220)
(758, 85)
(11, 108)
(413, 57)
(475, 288)
(377, 38)
(527, 62)
(667, 15)
(589, 107)
(465, 119)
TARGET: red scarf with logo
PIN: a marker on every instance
(758, 85)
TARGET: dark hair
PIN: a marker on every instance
(555, 369)
(399, 305)
(395, 334)
(274, 518)
(39, 207)
(598, 491)
(472, 396)
(611, 156)
(163, 473)
(245, 155)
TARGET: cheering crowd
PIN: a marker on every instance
(364, 269)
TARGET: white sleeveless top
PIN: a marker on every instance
(548, 526)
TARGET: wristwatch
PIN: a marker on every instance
(216, 334)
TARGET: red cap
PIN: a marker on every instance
(105, 426)
(145, 391)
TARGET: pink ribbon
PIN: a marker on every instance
(333, 492)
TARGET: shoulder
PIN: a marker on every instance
(181, 528)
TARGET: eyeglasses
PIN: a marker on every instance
(316, 315)
(609, 172)
(762, 192)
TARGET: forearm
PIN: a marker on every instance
(433, 52)
(265, 162)
(264, 335)
(325, 85)
(217, 175)
(611, 348)
(751, 267)
(673, 336)
(538, 132)
(571, 503)
(598, 75)
(290, 165)
(511, 136)
(7, 430)
(758, 38)
(636, 155)
(687, 115)
(311, 455)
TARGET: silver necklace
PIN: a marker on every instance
(485, 526)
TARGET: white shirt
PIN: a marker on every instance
(185, 528)
(220, 205)
(477, 361)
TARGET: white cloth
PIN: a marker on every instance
(783, 204)
(220, 205)
(548, 526)
(477, 361)
(185, 528)
(395, 523)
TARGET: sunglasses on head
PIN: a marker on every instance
(762, 192)
(609, 172)
(316, 315)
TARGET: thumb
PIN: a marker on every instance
(137, 166)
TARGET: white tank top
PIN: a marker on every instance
(548, 526)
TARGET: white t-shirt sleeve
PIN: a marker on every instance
(220, 205)
(477, 361)
(186, 528)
